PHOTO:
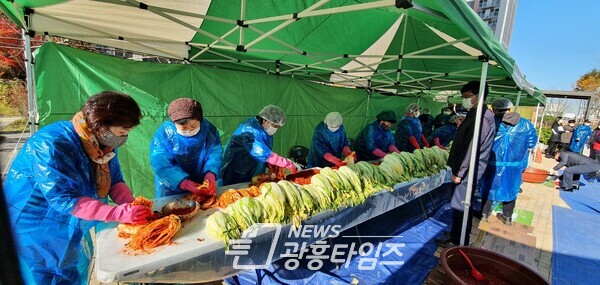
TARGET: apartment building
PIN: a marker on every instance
(499, 15)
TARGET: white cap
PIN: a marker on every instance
(334, 120)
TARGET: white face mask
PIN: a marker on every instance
(188, 133)
(571, 125)
(467, 104)
(447, 113)
(271, 130)
(417, 114)
(587, 124)
(333, 130)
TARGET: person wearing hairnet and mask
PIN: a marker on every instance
(58, 187)
(376, 139)
(249, 148)
(409, 134)
(185, 152)
(502, 179)
(442, 118)
(580, 136)
(329, 142)
(442, 136)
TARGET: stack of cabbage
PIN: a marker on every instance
(286, 202)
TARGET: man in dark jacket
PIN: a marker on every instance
(576, 164)
(427, 121)
(459, 158)
(565, 138)
(554, 141)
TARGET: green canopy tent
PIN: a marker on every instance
(381, 46)
(434, 45)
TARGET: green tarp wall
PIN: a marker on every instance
(66, 77)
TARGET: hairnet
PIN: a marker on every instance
(273, 114)
(412, 107)
(387, 115)
(502, 104)
(334, 120)
(453, 119)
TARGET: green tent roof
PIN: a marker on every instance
(435, 45)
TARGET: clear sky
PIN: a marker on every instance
(554, 42)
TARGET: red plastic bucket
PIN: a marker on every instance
(497, 268)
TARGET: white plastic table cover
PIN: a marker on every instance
(196, 257)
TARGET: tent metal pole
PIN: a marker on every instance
(541, 126)
(474, 150)
(242, 17)
(286, 23)
(537, 111)
(329, 11)
(30, 78)
(519, 95)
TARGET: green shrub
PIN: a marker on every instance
(545, 135)
(7, 111)
(13, 94)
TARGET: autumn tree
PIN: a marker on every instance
(590, 82)
(11, 50)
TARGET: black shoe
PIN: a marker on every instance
(575, 187)
(566, 189)
(484, 217)
(506, 220)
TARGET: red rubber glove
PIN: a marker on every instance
(436, 141)
(424, 140)
(331, 158)
(414, 142)
(212, 182)
(91, 209)
(393, 148)
(346, 151)
(379, 153)
(120, 193)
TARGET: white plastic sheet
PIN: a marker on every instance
(197, 257)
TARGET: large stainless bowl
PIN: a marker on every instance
(184, 209)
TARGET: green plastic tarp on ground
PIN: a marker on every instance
(67, 77)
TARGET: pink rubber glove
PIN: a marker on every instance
(212, 182)
(193, 187)
(379, 153)
(414, 142)
(121, 194)
(424, 140)
(91, 209)
(393, 148)
(346, 151)
(331, 158)
(436, 141)
(280, 161)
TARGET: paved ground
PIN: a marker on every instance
(8, 142)
(539, 199)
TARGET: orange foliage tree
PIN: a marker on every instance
(591, 82)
